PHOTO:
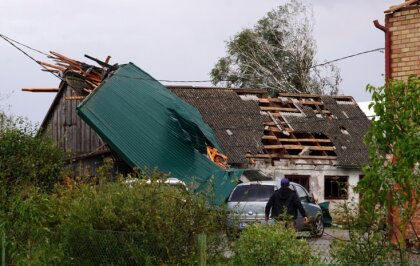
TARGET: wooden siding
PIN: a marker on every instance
(69, 130)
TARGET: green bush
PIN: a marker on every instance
(271, 245)
(367, 243)
(141, 223)
(27, 158)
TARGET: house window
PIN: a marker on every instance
(335, 187)
(302, 180)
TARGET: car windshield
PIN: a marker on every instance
(253, 192)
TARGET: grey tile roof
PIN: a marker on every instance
(224, 111)
(346, 118)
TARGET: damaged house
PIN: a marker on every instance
(123, 113)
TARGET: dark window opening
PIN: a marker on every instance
(302, 180)
(336, 187)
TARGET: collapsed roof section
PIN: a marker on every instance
(312, 129)
(150, 127)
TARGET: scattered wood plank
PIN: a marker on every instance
(40, 89)
(51, 66)
(74, 97)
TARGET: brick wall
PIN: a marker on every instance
(404, 28)
(415, 222)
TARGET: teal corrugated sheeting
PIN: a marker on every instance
(150, 127)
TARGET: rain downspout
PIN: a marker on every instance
(387, 48)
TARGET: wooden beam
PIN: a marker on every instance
(41, 89)
(74, 97)
(300, 147)
(312, 103)
(273, 100)
(269, 123)
(50, 65)
(305, 140)
(267, 137)
(279, 109)
(275, 129)
(298, 95)
(287, 156)
(315, 157)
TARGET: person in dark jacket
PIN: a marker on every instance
(284, 201)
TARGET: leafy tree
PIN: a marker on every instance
(392, 178)
(29, 163)
(27, 158)
(277, 54)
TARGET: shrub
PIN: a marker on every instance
(367, 241)
(116, 223)
(271, 245)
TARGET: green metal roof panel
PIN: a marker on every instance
(148, 126)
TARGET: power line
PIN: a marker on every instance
(318, 65)
(349, 56)
(24, 45)
(12, 41)
(33, 59)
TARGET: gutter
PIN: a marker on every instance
(387, 47)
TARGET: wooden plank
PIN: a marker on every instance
(275, 129)
(287, 156)
(315, 157)
(305, 140)
(274, 124)
(74, 97)
(279, 109)
(312, 103)
(300, 147)
(64, 58)
(267, 137)
(41, 89)
(50, 65)
(298, 95)
(273, 100)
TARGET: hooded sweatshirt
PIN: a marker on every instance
(284, 199)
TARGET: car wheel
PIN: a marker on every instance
(318, 227)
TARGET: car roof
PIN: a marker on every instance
(268, 182)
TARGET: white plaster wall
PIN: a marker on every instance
(316, 179)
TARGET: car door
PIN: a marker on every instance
(311, 209)
(303, 196)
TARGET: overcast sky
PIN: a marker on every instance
(172, 40)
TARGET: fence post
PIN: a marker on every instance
(3, 245)
(202, 246)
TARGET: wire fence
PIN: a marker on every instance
(103, 247)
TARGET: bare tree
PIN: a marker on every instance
(277, 54)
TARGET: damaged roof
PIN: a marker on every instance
(237, 124)
(314, 128)
(318, 129)
(148, 126)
